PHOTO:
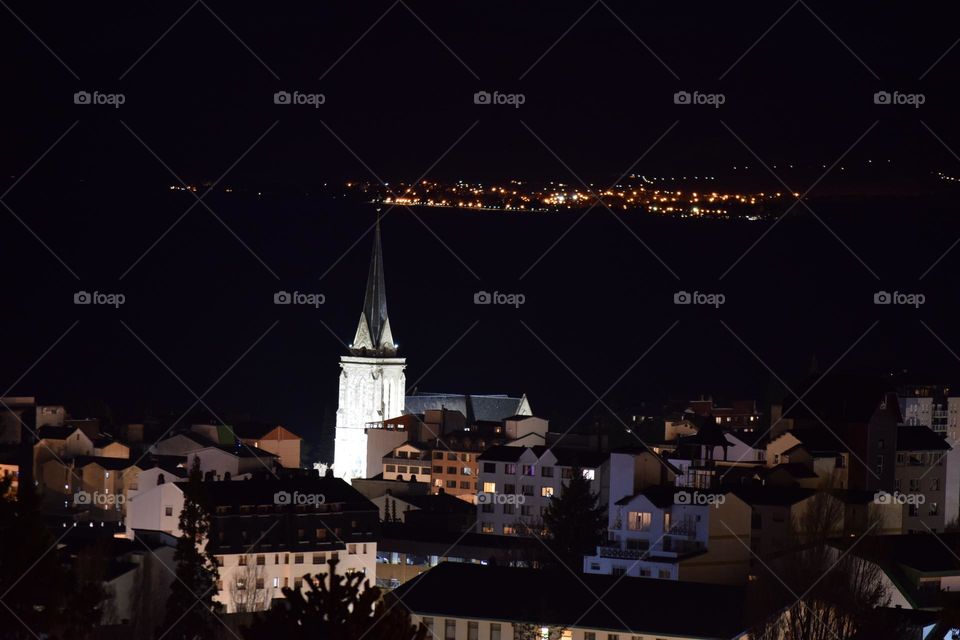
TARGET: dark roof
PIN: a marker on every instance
(397, 535)
(541, 596)
(262, 491)
(501, 453)
(796, 469)
(113, 464)
(439, 503)
(493, 408)
(771, 495)
(571, 457)
(819, 440)
(55, 433)
(920, 438)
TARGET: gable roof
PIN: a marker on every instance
(494, 408)
(55, 433)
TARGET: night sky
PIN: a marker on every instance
(88, 204)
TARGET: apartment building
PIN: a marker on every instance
(517, 483)
(922, 469)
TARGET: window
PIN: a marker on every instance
(450, 629)
(428, 623)
(321, 534)
(242, 561)
(664, 574)
(438, 455)
(589, 635)
(298, 583)
(352, 549)
(546, 472)
(529, 469)
(613, 636)
(487, 507)
(489, 487)
(489, 467)
(298, 558)
(509, 488)
(526, 510)
(508, 509)
(464, 484)
(914, 484)
(467, 471)
(261, 560)
(934, 509)
(879, 465)
(566, 473)
(259, 583)
(494, 631)
(508, 530)
(276, 582)
(168, 511)
(473, 630)
(401, 468)
(451, 456)
(935, 484)
(452, 470)
(589, 474)
(527, 489)
(510, 469)
(335, 555)
(913, 510)
(486, 527)
(390, 468)
(639, 520)
(451, 484)
(546, 492)
(424, 470)
(437, 469)
(319, 558)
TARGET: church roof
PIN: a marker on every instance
(373, 332)
(491, 408)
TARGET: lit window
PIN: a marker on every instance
(546, 492)
(489, 487)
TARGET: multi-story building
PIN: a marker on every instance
(409, 461)
(922, 468)
(516, 484)
(740, 415)
(658, 530)
(268, 534)
(938, 407)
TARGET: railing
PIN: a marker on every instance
(622, 554)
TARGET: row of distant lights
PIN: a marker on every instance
(823, 166)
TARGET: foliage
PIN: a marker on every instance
(335, 607)
(197, 572)
(574, 521)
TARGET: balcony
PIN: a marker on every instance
(683, 529)
(620, 554)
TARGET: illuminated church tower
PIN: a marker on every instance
(372, 382)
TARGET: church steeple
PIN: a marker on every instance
(374, 336)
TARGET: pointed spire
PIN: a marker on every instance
(374, 333)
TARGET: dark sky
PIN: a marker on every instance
(88, 185)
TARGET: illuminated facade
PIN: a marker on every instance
(372, 382)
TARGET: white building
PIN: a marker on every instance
(372, 382)
(939, 409)
(268, 534)
(658, 530)
(515, 484)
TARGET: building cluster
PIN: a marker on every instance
(440, 498)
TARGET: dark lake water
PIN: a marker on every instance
(593, 303)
